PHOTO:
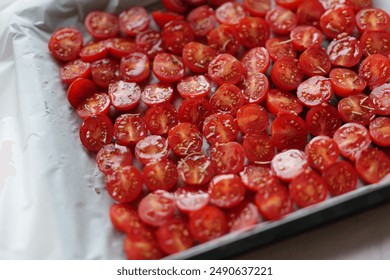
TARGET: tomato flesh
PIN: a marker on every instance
(65, 44)
(95, 132)
(289, 164)
(274, 202)
(372, 165)
(322, 152)
(340, 177)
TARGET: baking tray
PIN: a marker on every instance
(53, 204)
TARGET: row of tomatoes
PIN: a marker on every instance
(222, 140)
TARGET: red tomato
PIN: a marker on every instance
(220, 128)
(112, 157)
(208, 223)
(176, 6)
(356, 108)
(254, 87)
(345, 51)
(224, 38)
(252, 118)
(372, 19)
(152, 148)
(227, 158)
(243, 217)
(315, 91)
(323, 120)
(79, 90)
(195, 169)
(309, 12)
(202, 20)
(340, 177)
(154, 94)
(380, 96)
(372, 165)
(124, 184)
(346, 82)
(156, 208)
(289, 164)
(256, 60)
(279, 48)
(257, 8)
(95, 132)
(306, 36)
(135, 67)
(139, 248)
(314, 62)
(195, 110)
(375, 42)
(162, 17)
(105, 72)
(230, 13)
(253, 32)
(74, 70)
(124, 217)
(322, 152)
(217, 3)
(257, 177)
(227, 99)
(185, 139)
(281, 20)
(274, 202)
(226, 191)
(289, 4)
(134, 20)
(174, 236)
(94, 51)
(161, 118)
(308, 188)
(194, 86)
(168, 67)
(259, 148)
(225, 68)
(65, 44)
(197, 56)
(191, 198)
(150, 42)
(124, 96)
(279, 101)
(338, 20)
(357, 5)
(120, 47)
(176, 34)
(352, 138)
(129, 129)
(98, 103)
(160, 175)
(286, 74)
(289, 131)
(375, 70)
(101, 25)
(380, 131)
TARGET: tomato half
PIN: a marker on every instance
(289, 164)
(254, 87)
(279, 102)
(152, 148)
(168, 67)
(74, 70)
(161, 118)
(195, 169)
(227, 158)
(220, 128)
(257, 8)
(96, 104)
(156, 208)
(185, 139)
(252, 118)
(160, 175)
(256, 60)
(345, 51)
(79, 90)
(124, 184)
(163, 17)
(274, 202)
(322, 152)
(225, 68)
(286, 74)
(194, 86)
(372, 19)
(346, 82)
(380, 131)
(150, 42)
(356, 108)
(375, 42)
(134, 20)
(94, 51)
(337, 20)
(309, 12)
(375, 70)
(224, 38)
(65, 44)
(124, 96)
(315, 62)
(281, 20)
(101, 25)
(129, 129)
(243, 217)
(197, 56)
(227, 99)
(372, 165)
(95, 132)
(380, 96)
(191, 198)
(140, 248)
(154, 94)
(257, 177)
(315, 91)
(105, 72)
(258, 148)
(323, 120)
(195, 110)
(230, 13)
(176, 34)
(112, 157)
(306, 36)
(253, 32)
(226, 191)
(202, 20)
(340, 177)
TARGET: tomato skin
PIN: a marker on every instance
(372, 19)
(227, 158)
(79, 90)
(323, 120)
(134, 20)
(322, 152)
(274, 202)
(289, 164)
(195, 169)
(129, 129)
(380, 96)
(380, 131)
(375, 42)
(65, 44)
(176, 6)
(156, 208)
(340, 177)
(243, 217)
(95, 132)
(174, 236)
(225, 68)
(168, 67)
(375, 70)
(253, 32)
(160, 175)
(194, 110)
(101, 25)
(96, 104)
(279, 102)
(112, 157)
(202, 20)
(315, 91)
(160, 118)
(308, 188)
(345, 51)
(74, 70)
(176, 34)
(208, 223)
(185, 139)
(346, 82)
(140, 248)
(257, 177)
(191, 198)
(227, 99)
(151, 149)
(135, 67)
(372, 165)
(197, 56)
(315, 62)
(259, 148)
(124, 96)
(281, 20)
(286, 74)
(337, 20)
(220, 128)
(356, 108)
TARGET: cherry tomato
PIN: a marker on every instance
(135, 67)
(323, 119)
(161, 118)
(176, 6)
(257, 177)
(372, 19)
(95, 132)
(98, 103)
(120, 47)
(191, 198)
(112, 157)
(252, 118)
(356, 108)
(225, 68)
(224, 38)
(101, 25)
(380, 131)
(315, 62)
(150, 42)
(65, 44)
(160, 175)
(230, 13)
(168, 67)
(194, 86)
(372, 165)
(140, 248)
(357, 5)
(309, 12)
(346, 82)
(185, 139)
(257, 8)
(154, 94)
(208, 223)
(254, 87)
(79, 90)
(202, 20)
(105, 72)
(256, 60)
(163, 17)
(243, 217)
(124, 217)
(227, 158)
(253, 32)
(352, 138)
(124, 184)
(129, 129)
(289, 164)
(152, 148)
(259, 148)
(281, 20)
(337, 20)
(308, 188)
(124, 96)
(375, 42)
(176, 34)
(375, 70)
(279, 48)
(340, 177)
(380, 97)
(322, 152)
(74, 70)
(220, 128)
(315, 91)
(195, 169)
(195, 110)
(94, 51)
(279, 102)
(345, 51)
(274, 202)
(156, 208)
(227, 99)
(133, 20)
(306, 36)
(197, 56)
(286, 74)
(289, 131)
(226, 191)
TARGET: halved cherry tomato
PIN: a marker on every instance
(157, 208)
(286, 73)
(357, 5)
(129, 129)
(124, 217)
(94, 51)
(135, 67)
(202, 20)
(323, 119)
(150, 42)
(133, 20)
(289, 131)
(224, 38)
(124, 96)
(194, 86)
(257, 177)
(176, 34)
(380, 131)
(227, 99)
(372, 19)
(253, 32)
(160, 175)
(225, 68)
(95, 132)
(337, 20)
(252, 118)
(176, 6)
(79, 90)
(191, 198)
(152, 148)
(281, 20)
(74, 70)
(315, 91)
(346, 82)
(185, 139)
(195, 169)
(161, 118)
(380, 97)
(65, 44)
(352, 138)
(375, 42)
(243, 217)
(194, 110)
(227, 158)
(375, 70)
(356, 108)
(197, 56)
(322, 152)
(140, 248)
(340, 177)
(98, 103)
(308, 188)
(220, 128)
(168, 67)
(154, 94)
(289, 164)
(226, 191)
(309, 12)
(372, 165)
(105, 72)
(279, 101)
(289, 4)
(101, 25)
(315, 62)
(230, 13)
(279, 48)
(112, 157)
(345, 51)
(259, 148)
(306, 36)
(163, 17)
(254, 87)
(257, 8)
(256, 60)
(274, 202)
(120, 47)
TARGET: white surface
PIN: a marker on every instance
(49, 208)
